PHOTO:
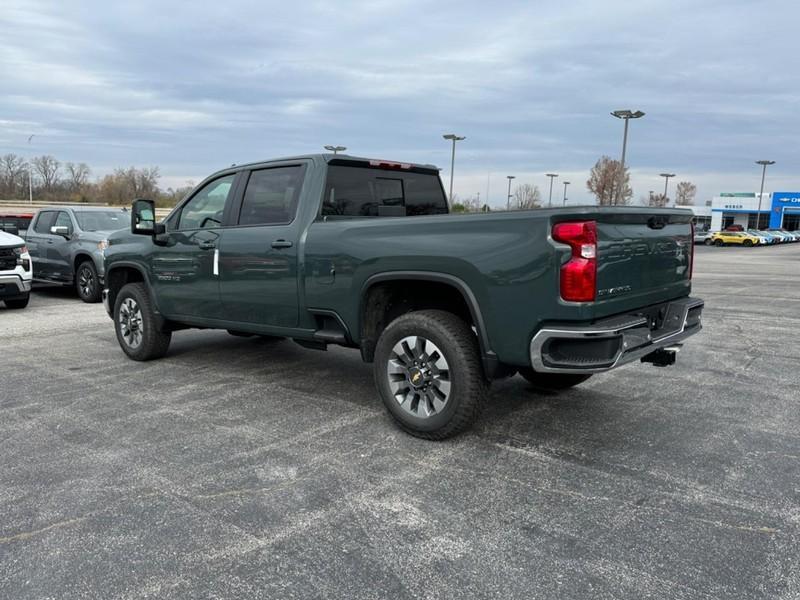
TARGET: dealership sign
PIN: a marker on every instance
(781, 202)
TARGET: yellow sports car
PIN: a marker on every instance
(723, 238)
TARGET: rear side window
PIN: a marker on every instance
(45, 221)
(368, 192)
(270, 197)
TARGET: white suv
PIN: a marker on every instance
(16, 272)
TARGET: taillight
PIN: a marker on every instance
(579, 273)
(691, 253)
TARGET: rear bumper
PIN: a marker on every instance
(613, 342)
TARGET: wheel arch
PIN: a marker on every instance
(122, 273)
(466, 294)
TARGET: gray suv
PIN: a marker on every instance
(67, 245)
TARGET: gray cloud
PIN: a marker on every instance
(193, 88)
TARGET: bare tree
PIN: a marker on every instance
(48, 169)
(526, 196)
(604, 179)
(78, 175)
(684, 193)
(13, 175)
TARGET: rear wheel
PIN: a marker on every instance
(136, 324)
(87, 283)
(429, 374)
(18, 302)
(552, 381)
(719, 243)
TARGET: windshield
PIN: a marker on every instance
(103, 220)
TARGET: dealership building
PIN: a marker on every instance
(779, 210)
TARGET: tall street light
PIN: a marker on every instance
(625, 115)
(30, 172)
(335, 149)
(666, 177)
(454, 138)
(564, 203)
(550, 198)
(763, 164)
(508, 198)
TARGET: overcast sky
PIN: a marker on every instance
(195, 87)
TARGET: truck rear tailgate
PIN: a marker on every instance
(643, 258)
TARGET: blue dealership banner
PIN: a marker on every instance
(783, 202)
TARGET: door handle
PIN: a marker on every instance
(207, 245)
(281, 244)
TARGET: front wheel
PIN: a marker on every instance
(429, 374)
(86, 282)
(747, 243)
(18, 302)
(552, 381)
(136, 324)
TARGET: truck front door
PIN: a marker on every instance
(184, 265)
(258, 254)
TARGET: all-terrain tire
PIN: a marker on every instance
(136, 324)
(447, 341)
(87, 284)
(18, 302)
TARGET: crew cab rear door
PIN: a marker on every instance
(258, 260)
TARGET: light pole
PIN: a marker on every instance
(625, 115)
(763, 164)
(566, 183)
(550, 198)
(335, 149)
(508, 198)
(666, 177)
(30, 172)
(454, 138)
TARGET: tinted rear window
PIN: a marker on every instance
(368, 192)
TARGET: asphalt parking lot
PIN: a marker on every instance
(237, 468)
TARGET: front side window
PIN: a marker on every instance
(271, 196)
(205, 209)
(44, 221)
(369, 192)
(63, 220)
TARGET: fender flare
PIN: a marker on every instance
(488, 357)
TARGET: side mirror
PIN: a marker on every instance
(61, 230)
(143, 217)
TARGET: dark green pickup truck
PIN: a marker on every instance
(333, 249)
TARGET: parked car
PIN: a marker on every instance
(734, 228)
(701, 237)
(14, 222)
(16, 271)
(67, 244)
(770, 238)
(763, 239)
(724, 238)
(333, 249)
(782, 235)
